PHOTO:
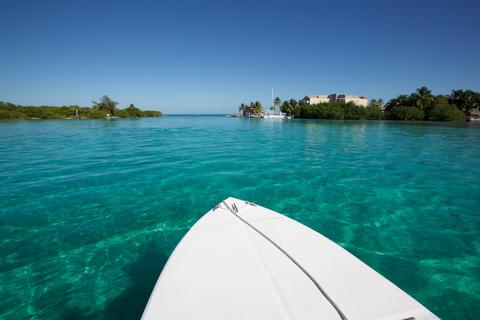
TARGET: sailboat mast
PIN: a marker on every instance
(273, 105)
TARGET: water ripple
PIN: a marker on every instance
(90, 210)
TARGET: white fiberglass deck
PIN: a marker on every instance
(253, 263)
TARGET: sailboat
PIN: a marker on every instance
(274, 112)
(244, 261)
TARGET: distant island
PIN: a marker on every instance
(105, 108)
(422, 105)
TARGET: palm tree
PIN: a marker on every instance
(133, 111)
(374, 103)
(466, 100)
(289, 106)
(423, 98)
(106, 104)
(401, 100)
(254, 108)
(242, 108)
(257, 107)
(472, 99)
(276, 102)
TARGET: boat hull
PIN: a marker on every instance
(243, 261)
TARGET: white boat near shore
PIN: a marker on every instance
(273, 114)
(243, 261)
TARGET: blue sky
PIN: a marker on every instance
(208, 57)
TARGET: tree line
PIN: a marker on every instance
(420, 105)
(423, 105)
(104, 108)
(331, 110)
(252, 109)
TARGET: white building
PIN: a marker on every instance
(317, 99)
(358, 100)
(336, 97)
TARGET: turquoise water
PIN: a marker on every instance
(91, 210)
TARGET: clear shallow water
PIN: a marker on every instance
(91, 210)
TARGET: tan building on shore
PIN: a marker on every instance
(336, 97)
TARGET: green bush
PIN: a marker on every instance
(374, 113)
(12, 111)
(6, 114)
(354, 112)
(335, 111)
(447, 112)
(322, 111)
(96, 114)
(122, 113)
(405, 113)
(150, 113)
(133, 111)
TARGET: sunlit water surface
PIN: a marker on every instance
(90, 210)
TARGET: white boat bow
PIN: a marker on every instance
(243, 261)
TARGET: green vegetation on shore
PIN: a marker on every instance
(332, 111)
(253, 109)
(420, 105)
(102, 109)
